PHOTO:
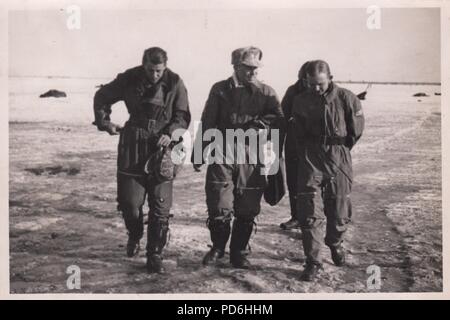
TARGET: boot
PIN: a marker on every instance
(220, 232)
(311, 271)
(133, 247)
(290, 224)
(155, 264)
(338, 255)
(157, 239)
(240, 236)
(135, 229)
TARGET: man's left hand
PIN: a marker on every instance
(164, 141)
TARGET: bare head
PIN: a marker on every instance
(318, 76)
(154, 62)
(302, 75)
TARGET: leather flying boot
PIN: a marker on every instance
(220, 232)
(240, 236)
(311, 271)
(133, 247)
(157, 238)
(290, 224)
(155, 264)
(338, 255)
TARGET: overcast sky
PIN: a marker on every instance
(199, 43)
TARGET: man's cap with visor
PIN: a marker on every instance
(249, 56)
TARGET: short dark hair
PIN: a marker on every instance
(302, 71)
(154, 55)
(318, 66)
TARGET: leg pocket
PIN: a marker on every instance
(160, 198)
(131, 198)
(250, 186)
(248, 202)
(336, 194)
(219, 196)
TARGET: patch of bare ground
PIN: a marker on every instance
(61, 219)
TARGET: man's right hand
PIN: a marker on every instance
(112, 129)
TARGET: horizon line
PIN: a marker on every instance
(336, 81)
(389, 82)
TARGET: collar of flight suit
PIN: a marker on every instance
(234, 83)
(158, 90)
(164, 82)
(330, 94)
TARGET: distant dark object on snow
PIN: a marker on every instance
(420, 94)
(54, 170)
(362, 95)
(419, 100)
(437, 93)
(53, 93)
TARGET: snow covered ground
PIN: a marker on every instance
(67, 218)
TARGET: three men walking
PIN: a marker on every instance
(323, 123)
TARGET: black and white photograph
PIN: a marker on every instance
(213, 148)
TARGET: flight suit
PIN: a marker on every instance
(327, 127)
(290, 150)
(234, 189)
(154, 109)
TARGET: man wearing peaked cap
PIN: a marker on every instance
(249, 56)
(235, 189)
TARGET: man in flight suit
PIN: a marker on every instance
(157, 102)
(290, 150)
(236, 189)
(328, 122)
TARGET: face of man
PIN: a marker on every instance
(246, 74)
(154, 72)
(318, 83)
